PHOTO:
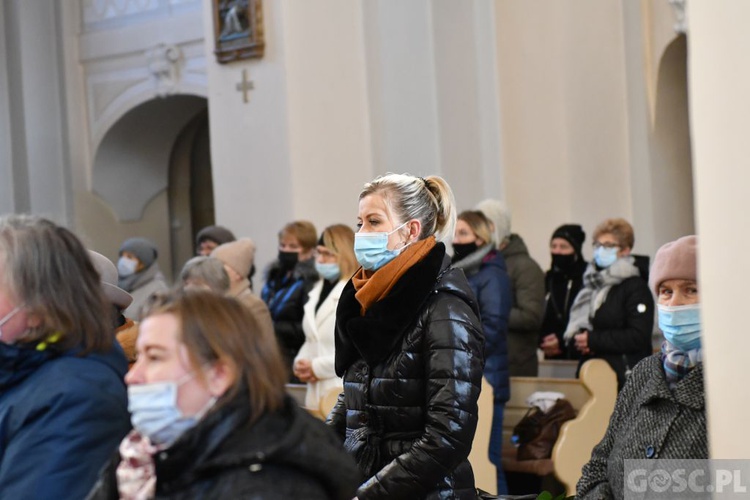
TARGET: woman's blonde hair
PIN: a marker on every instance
(214, 328)
(427, 199)
(479, 223)
(339, 239)
(49, 272)
(304, 231)
(620, 228)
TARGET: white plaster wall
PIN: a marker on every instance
(719, 76)
(250, 142)
(6, 152)
(574, 118)
(329, 129)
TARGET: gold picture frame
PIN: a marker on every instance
(238, 29)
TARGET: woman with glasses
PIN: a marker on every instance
(661, 411)
(335, 263)
(613, 314)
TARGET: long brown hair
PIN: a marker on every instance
(214, 328)
(49, 272)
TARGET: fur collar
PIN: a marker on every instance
(373, 337)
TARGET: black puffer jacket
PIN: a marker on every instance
(286, 454)
(412, 369)
(622, 327)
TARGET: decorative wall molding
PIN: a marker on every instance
(679, 8)
(163, 62)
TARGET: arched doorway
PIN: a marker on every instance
(191, 196)
(672, 174)
(144, 170)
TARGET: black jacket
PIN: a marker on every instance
(412, 369)
(287, 454)
(562, 288)
(622, 327)
(285, 296)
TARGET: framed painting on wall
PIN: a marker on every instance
(238, 29)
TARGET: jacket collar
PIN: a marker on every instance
(18, 362)
(688, 391)
(373, 337)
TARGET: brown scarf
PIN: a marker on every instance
(372, 286)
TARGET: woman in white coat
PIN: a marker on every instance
(335, 263)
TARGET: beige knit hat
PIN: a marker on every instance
(239, 255)
(675, 260)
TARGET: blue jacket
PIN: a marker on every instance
(61, 418)
(491, 285)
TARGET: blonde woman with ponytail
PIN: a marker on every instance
(409, 346)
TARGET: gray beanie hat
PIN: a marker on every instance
(142, 248)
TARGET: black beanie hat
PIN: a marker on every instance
(573, 234)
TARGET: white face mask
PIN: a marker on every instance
(154, 412)
(126, 266)
(7, 318)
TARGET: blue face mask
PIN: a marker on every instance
(605, 257)
(154, 412)
(371, 249)
(681, 325)
(328, 271)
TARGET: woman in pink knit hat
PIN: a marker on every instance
(660, 413)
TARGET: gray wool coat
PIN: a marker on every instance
(649, 421)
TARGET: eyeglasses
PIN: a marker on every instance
(608, 246)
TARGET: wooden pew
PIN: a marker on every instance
(593, 395)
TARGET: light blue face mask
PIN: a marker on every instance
(371, 249)
(605, 257)
(681, 325)
(154, 412)
(328, 270)
(126, 266)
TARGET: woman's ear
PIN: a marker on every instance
(220, 377)
(624, 252)
(415, 229)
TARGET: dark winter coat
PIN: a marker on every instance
(286, 454)
(490, 283)
(412, 369)
(61, 417)
(622, 327)
(650, 421)
(285, 296)
(527, 281)
(561, 288)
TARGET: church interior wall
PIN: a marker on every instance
(719, 77)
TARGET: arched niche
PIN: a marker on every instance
(131, 163)
(672, 172)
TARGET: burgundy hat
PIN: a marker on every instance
(675, 260)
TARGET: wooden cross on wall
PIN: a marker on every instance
(245, 86)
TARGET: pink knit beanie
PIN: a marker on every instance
(675, 260)
(239, 255)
